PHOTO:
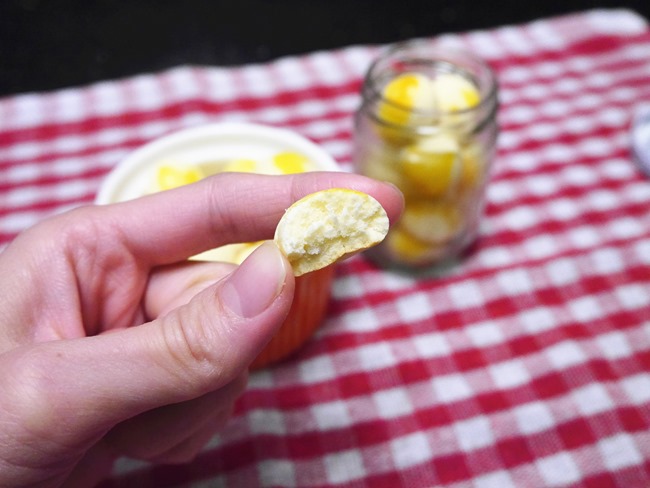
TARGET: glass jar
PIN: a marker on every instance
(427, 123)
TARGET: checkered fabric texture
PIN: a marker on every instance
(527, 366)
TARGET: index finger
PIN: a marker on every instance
(226, 208)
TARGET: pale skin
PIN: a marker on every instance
(111, 344)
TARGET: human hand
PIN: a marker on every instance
(111, 344)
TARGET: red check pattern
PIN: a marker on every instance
(528, 365)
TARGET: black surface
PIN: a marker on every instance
(48, 44)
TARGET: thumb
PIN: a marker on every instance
(81, 387)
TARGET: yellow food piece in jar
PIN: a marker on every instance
(172, 176)
(383, 163)
(403, 94)
(408, 249)
(472, 171)
(290, 162)
(432, 164)
(433, 222)
(454, 92)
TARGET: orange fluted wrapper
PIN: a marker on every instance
(308, 310)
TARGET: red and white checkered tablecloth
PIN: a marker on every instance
(526, 366)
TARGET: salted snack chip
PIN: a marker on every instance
(329, 225)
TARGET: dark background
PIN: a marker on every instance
(48, 44)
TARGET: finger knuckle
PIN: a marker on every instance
(31, 397)
(198, 349)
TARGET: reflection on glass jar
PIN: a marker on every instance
(427, 124)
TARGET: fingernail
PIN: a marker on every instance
(256, 283)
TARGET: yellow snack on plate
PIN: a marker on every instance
(327, 226)
(230, 253)
(174, 175)
(290, 162)
(240, 166)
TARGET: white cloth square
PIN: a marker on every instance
(509, 374)
(592, 399)
(451, 388)
(533, 417)
(410, 450)
(474, 433)
(392, 403)
(344, 466)
(558, 470)
(331, 415)
(619, 452)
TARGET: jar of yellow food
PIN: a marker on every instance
(427, 123)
